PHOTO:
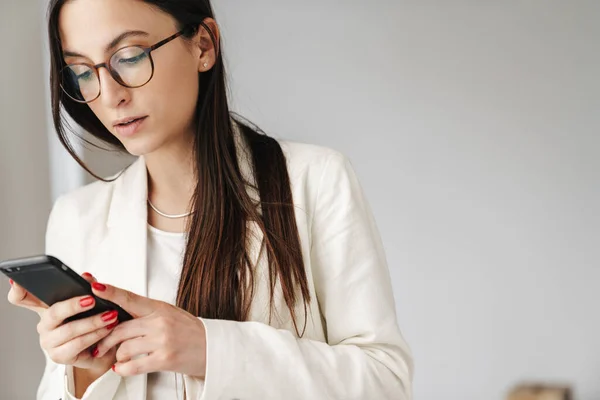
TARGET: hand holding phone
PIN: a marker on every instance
(71, 343)
(50, 280)
(68, 328)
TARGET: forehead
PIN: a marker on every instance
(87, 26)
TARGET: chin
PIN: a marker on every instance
(139, 147)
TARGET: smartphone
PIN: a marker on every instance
(51, 281)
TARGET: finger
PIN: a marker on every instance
(125, 331)
(55, 315)
(66, 353)
(89, 277)
(133, 348)
(71, 330)
(138, 366)
(22, 298)
(137, 306)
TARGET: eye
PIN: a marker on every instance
(86, 76)
(132, 60)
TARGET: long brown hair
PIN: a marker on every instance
(217, 276)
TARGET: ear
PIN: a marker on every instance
(206, 49)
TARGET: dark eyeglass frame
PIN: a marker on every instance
(148, 50)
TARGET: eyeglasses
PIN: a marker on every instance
(131, 66)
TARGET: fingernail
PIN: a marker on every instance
(87, 275)
(95, 352)
(99, 287)
(11, 282)
(107, 316)
(86, 301)
(111, 326)
(113, 367)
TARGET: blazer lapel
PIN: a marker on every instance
(127, 224)
(121, 258)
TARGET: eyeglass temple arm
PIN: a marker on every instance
(167, 40)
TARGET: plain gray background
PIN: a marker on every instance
(474, 128)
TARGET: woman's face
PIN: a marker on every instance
(168, 100)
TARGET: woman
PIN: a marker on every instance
(253, 267)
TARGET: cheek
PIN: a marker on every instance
(98, 110)
(174, 93)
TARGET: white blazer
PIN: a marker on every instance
(352, 348)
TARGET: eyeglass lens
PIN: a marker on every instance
(130, 66)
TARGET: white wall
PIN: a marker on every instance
(34, 170)
(25, 197)
(474, 127)
(65, 173)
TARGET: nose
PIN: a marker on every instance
(112, 93)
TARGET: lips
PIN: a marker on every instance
(129, 126)
(127, 121)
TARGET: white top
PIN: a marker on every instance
(165, 259)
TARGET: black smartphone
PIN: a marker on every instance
(51, 281)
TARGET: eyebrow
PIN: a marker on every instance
(113, 43)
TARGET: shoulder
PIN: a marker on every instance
(89, 206)
(298, 152)
(311, 160)
(89, 201)
(79, 218)
(75, 217)
(320, 178)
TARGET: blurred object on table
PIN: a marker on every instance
(536, 391)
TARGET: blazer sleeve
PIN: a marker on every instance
(365, 356)
(57, 380)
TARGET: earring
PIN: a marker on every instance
(205, 65)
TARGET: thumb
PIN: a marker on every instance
(137, 306)
(18, 296)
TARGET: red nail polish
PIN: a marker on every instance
(111, 326)
(95, 352)
(113, 367)
(87, 275)
(107, 316)
(98, 286)
(11, 282)
(86, 301)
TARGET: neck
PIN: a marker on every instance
(171, 179)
